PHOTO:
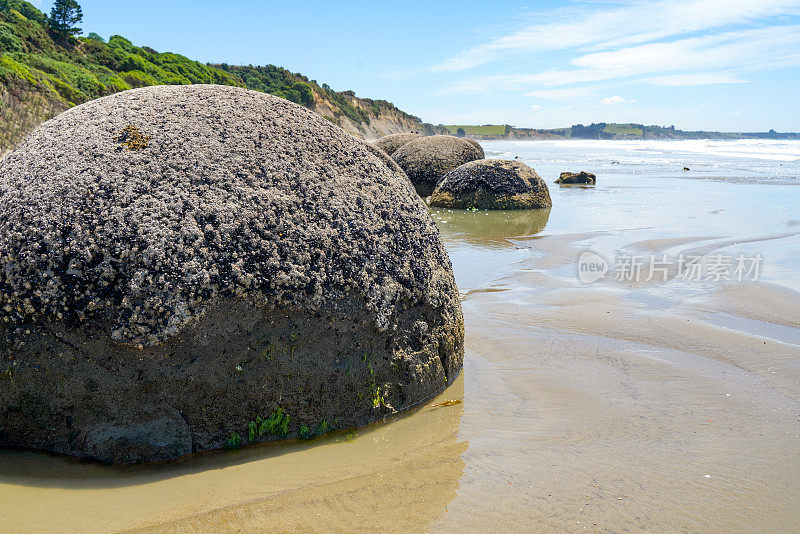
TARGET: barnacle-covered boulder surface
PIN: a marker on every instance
(476, 144)
(390, 143)
(427, 159)
(492, 184)
(189, 268)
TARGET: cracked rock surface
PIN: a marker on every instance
(243, 255)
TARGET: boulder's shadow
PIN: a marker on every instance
(379, 472)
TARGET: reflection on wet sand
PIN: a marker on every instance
(399, 475)
(666, 406)
(490, 229)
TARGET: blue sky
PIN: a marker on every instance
(697, 64)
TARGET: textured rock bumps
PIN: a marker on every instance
(251, 259)
(583, 177)
(492, 184)
(390, 143)
(427, 159)
(476, 144)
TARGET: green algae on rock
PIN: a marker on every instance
(492, 184)
(428, 159)
(131, 138)
(252, 258)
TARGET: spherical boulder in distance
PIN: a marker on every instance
(492, 184)
(390, 143)
(428, 159)
(193, 267)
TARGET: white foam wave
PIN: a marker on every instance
(765, 149)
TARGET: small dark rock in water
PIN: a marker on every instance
(428, 159)
(569, 178)
(241, 270)
(390, 143)
(492, 184)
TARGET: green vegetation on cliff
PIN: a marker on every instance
(44, 70)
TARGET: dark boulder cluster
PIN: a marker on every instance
(426, 160)
(453, 171)
(185, 268)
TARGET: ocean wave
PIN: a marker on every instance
(767, 149)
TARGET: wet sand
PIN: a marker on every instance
(361, 480)
(611, 406)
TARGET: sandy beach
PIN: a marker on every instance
(668, 404)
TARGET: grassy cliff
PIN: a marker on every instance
(41, 76)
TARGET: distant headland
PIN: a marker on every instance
(603, 130)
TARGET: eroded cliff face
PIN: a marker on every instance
(383, 118)
(22, 109)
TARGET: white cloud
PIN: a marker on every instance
(691, 61)
(736, 113)
(562, 94)
(536, 107)
(696, 78)
(632, 24)
(611, 100)
(712, 51)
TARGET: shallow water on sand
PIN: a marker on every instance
(669, 404)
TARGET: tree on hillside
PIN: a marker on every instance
(461, 132)
(306, 94)
(63, 18)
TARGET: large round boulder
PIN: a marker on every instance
(390, 143)
(428, 159)
(189, 268)
(492, 184)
